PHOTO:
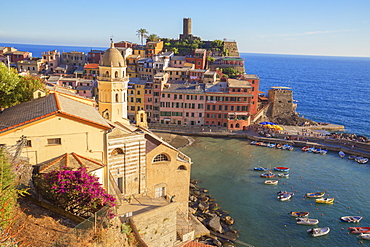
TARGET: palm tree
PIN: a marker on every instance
(142, 33)
(153, 37)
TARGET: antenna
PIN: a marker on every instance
(111, 38)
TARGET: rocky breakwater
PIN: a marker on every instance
(208, 212)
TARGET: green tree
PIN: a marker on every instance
(217, 44)
(231, 72)
(15, 89)
(175, 50)
(142, 33)
(8, 190)
(153, 37)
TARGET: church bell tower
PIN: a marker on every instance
(112, 86)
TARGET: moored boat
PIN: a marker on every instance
(341, 154)
(305, 148)
(365, 236)
(267, 175)
(352, 157)
(299, 214)
(358, 230)
(351, 219)
(316, 232)
(271, 182)
(283, 192)
(261, 169)
(283, 175)
(323, 151)
(315, 194)
(281, 169)
(325, 200)
(284, 197)
(362, 161)
(307, 221)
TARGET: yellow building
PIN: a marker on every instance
(135, 97)
(153, 48)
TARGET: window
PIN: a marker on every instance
(160, 157)
(54, 141)
(181, 168)
(117, 151)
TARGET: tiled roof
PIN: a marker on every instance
(195, 244)
(35, 110)
(91, 66)
(71, 160)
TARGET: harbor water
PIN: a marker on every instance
(225, 168)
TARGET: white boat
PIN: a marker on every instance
(284, 197)
(283, 175)
(316, 232)
(307, 221)
(365, 236)
(351, 219)
(271, 182)
(323, 151)
(341, 154)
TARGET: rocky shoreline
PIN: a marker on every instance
(208, 212)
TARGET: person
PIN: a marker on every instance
(129, 199)
(173, 198)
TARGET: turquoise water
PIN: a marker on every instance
(225, 168)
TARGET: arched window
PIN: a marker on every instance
(117, 97)
(116, 74)
(231, 126)
(237, 126)
(117, 151)
(161, 157)
(181, 168)
(107, 74)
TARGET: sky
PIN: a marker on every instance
(304, 27)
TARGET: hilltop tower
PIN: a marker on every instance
(112, 86)
(186, 30)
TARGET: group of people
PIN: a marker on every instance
(349, 137)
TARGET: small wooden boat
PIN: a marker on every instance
(362, 161)
(283, 175)
(271, 145)
(325, 200)
(351, 219)
(307, 221)
(271, 182)
(305, 148)
(284, 197)
(316, 232)
(299, 214)
(267, 175)
(365, 236)
(315, 194)
(323, 151)
(341, 154)
(352, 157)
(279, 146)
(253, 142)
(358, 230)
(281, 169)
(263, 169)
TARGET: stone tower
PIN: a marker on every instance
(186, 30)
(281, 100)
(112, 86)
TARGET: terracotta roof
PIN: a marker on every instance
(71, 160)
(91, 66)
(41, 108)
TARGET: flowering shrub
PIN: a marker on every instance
(75, 191)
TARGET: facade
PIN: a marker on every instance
(135, 97)
(74, 58)
(227, 62)
(281, 100)
(33, 66)
(153, 48)
(50, 60)
(91, 71)
(94, 56)
(132, 65)
(198, 58)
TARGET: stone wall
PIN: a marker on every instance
(157, 227)
(232, 47)
(281, 102)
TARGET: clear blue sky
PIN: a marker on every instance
(310, 27)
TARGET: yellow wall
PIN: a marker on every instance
(167, 173)
(75, 137)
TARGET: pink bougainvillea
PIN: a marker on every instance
(75, 191)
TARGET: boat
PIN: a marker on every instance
(267, 175)
(253, 142)
(283, 175)
(283, 192)
(310, 150)
(284, 197)
(352, 157)
(315, 194)
(323, 151)
(307, 221)
(341, 154)
(351, 219)
(365, 236)
(305, 148)
(278, 146)
(271, 145)
(317, 151)
(325, 200)
(263, 169)
(299, 214)
(316, 232)
(362, 161)
(359, 229)
(281, 169)
(271, 182)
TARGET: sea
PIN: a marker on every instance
(328, 89)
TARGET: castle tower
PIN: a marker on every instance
(281, 99)
(112, 86)
(186, 30)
